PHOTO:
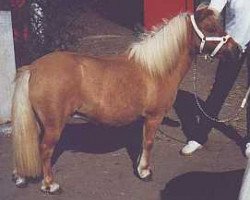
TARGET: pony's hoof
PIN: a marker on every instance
(53, 188)
(18, 180)
(145, 175)
(21, 182)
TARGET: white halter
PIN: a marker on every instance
(221, 40)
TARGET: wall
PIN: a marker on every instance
(155, 10)
(7, 66)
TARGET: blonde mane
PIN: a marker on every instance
(159, 51)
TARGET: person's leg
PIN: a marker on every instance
(226, 75)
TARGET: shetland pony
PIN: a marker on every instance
(113, 90)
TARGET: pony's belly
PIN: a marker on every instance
(111, 116)
(116, 120)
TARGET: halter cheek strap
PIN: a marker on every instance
(204, 39)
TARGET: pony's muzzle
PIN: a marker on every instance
(234, 50)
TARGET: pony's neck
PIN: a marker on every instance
(159, 51)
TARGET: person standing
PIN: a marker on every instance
(238, 27)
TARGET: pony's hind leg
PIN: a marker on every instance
(52, 132)
(149, 131)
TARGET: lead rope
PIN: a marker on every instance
(233, 117)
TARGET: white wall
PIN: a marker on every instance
(7, 66)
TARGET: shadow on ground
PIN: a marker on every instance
(204, 186)
(98, 139)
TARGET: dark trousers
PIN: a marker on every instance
(227, 72)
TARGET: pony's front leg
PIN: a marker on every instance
(50, 139)
(149, 131)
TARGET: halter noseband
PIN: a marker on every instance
(222, 40)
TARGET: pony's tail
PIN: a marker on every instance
(25, 129)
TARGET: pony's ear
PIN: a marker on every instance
(202, 6)
(207, 11)
(204, 12)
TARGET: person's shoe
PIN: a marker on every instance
(247, 151)
(191, 147)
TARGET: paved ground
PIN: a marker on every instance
(96, 163)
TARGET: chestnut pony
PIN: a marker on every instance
(113, 90)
